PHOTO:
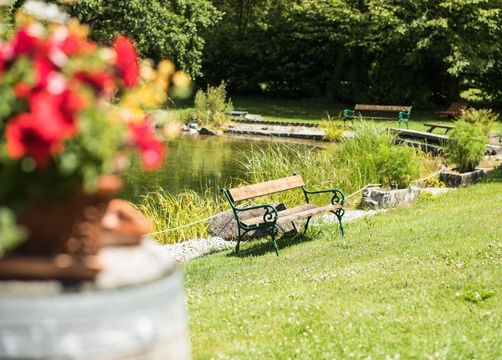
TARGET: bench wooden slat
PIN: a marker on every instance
(307, 213)
(286, 212)
(266, 188)
(381, 107)
(443, 126)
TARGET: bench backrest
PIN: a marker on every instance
(458, 107)
(266, 188)
(382, 107)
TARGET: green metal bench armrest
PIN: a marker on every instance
(269, 217)
(338, 196)
(347, 114)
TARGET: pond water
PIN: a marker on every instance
(196, 163)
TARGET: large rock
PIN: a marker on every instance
(377, 198)
(224, 225)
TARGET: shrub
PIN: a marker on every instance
(397, 166)
(466, 146)
(484, 119)
(210, 106)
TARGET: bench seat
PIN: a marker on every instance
(296, 213)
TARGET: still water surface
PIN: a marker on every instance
(195, 163)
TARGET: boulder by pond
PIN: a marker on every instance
(224, 225)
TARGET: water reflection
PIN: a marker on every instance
(195, 163)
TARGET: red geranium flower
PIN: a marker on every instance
(151, 148)
(50, 112)
(22, 90)
(26, 137)
(43, 67)
(127, 60)
(24, 42)
(101, 81)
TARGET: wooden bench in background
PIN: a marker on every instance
(433, 126)
(403, 113)
(455, 109)
(272, 218)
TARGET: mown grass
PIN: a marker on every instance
(421, 282)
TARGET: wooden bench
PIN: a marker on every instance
(403, 113)
(433, 126)
(455, 109)
(272, 218)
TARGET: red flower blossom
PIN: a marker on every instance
(22, 90)
(50, 112)
(151, 148)
(71, 45)
(101, 81)
(24, 42)
(26, 137)
(43, 67)
(6, 54)
(127, 60)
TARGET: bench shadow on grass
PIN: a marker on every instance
(263, 247)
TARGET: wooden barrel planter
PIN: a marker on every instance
(140, 321)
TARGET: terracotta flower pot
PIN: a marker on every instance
(64, 237)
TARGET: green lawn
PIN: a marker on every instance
(312, 110)
(417, 282)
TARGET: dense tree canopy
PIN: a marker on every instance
(418, 52)
(162, 29)
(413, 51)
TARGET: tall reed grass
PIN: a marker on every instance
(167, 212)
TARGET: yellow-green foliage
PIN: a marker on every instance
(466, 146)
(167, 211)
(484, 119)
(211, 106)
(333, 131)
(397, 166)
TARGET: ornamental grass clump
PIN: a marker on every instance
(212, 105)
(333, 131)
(466, 146)
(484, 119)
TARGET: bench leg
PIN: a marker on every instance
(273, 231)
(239, 238)
(339, 214)
(307, 225)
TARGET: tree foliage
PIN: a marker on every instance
(411, 51)
(161, 29)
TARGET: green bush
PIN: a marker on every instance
(211, 106)
(484, 119)
(397, 166)
(466, 146)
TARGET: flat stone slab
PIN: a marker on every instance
(277, 131)
(455, 179)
